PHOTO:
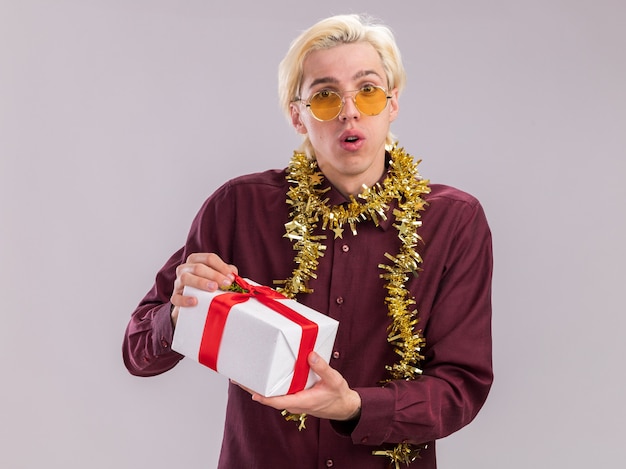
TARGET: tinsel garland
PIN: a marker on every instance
(309, 208)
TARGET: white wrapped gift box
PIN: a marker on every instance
(259, 347)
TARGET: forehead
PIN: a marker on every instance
(344, 63)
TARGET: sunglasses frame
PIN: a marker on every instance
(342, 97)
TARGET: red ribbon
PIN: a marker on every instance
(218, 314)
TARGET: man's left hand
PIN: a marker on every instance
(330, 398)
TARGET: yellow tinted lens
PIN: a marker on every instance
(371, 100)
(325, 105)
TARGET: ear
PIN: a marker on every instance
(394, 105)
(296, 119)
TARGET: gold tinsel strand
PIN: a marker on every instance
(309, 208)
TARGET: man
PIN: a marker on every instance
(351, 230)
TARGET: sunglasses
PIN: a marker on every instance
(325, 105)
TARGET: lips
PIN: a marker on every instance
(351, 139)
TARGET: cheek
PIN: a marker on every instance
(317, 131)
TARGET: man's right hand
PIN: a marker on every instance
(204, 271)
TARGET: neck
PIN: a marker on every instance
(352, 185)
(351, 188)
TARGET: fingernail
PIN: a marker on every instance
(211, 285)
(313, 357)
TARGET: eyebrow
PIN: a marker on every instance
(356, 76)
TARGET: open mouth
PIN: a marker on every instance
(351, 139)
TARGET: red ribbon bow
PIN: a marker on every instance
(218, 314)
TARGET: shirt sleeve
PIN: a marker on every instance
(457, 369)
(147, 343)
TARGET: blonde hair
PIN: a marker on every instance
(331, 32)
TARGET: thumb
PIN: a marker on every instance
(318, 365)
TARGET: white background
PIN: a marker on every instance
(118, 118)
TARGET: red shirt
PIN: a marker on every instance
(243, 222)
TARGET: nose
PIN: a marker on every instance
(348, 108)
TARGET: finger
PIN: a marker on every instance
(202, 276)
(193, 275)
(320, 367)
(198, 276)
(215, 262)
(289, 402)
(178, 299)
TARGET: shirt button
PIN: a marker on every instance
(345, 248)
(364, 439)
(339, 300)
(329, 463)
(164, 343)
(336, 354)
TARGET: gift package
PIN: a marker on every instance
(254, 336)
